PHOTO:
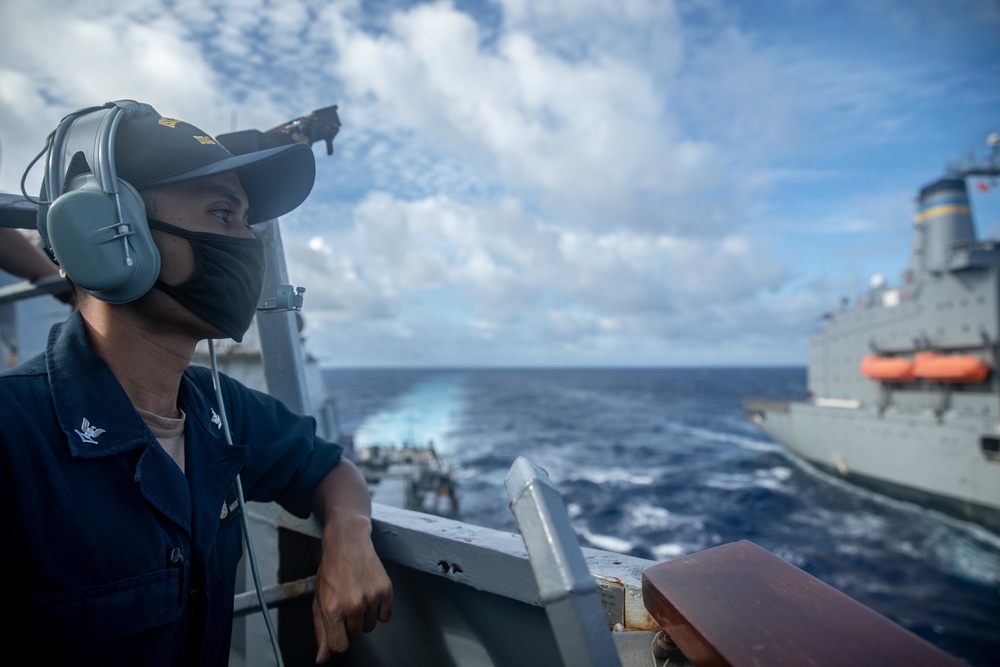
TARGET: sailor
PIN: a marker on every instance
(121, 526)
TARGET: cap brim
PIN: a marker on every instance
(276, 180)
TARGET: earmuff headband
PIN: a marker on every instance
(96, 224)
(92, 133)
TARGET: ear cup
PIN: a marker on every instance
(114, 261)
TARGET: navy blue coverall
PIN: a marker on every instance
(112, 555)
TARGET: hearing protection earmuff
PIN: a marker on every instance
(96, 222)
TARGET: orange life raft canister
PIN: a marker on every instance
(889, 369)
(950, 367)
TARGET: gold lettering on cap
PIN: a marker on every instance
(202, 139)
(168, 122)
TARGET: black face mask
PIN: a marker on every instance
(228, 276)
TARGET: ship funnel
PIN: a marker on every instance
(943, 223)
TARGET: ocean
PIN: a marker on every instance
(661, 463)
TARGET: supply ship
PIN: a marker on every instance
(903, 391)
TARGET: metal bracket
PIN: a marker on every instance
(567, 589)
(286, 298)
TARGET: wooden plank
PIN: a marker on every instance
(738, 605)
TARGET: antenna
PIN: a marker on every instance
(990, 167)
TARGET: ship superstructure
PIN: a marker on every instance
(904, 395)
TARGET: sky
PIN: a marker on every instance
(556, 182)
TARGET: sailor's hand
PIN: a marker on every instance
(353, 590)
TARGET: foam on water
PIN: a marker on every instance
(648, 516)
(428, 413)
(857, 525)
(711, 435)
(970, 560)
(663, 552)
(606, 542)
(611, 475)
(773, 479)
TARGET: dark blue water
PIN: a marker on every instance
(662, 463)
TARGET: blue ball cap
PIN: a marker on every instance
(153, 150)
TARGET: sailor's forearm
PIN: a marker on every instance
(342, 495)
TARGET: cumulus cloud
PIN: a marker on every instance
(204, 61)
(587, 137)
(546, 181)
(73, 56)
(514, 277)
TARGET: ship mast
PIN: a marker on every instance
(989, 168)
